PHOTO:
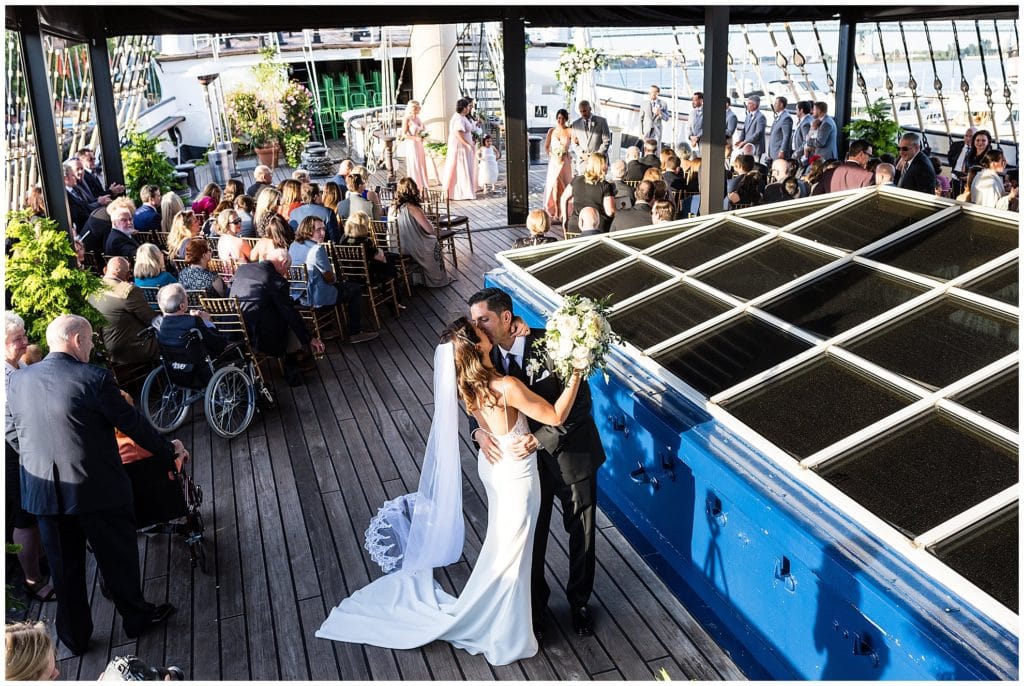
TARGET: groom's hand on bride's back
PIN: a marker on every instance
(524, 446)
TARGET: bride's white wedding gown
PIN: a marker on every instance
(492, 615)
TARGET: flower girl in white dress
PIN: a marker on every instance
(416, 532)
(487, 167)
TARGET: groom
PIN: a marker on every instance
(568, 458)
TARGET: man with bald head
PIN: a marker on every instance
(589, 222)
(127, 313)
(264, 177)
(274, 323)
(62, 414)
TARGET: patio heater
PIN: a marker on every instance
(221, 158)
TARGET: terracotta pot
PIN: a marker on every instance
(269, 155)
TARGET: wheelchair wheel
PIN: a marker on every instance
(230, 401)
(164, 404)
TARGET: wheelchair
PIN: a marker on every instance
(229, 386)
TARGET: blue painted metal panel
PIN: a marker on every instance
(808, 592)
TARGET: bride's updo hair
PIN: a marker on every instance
(472, 377)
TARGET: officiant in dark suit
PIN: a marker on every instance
(590, 133)
(568, 457)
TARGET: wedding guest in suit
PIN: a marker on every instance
(884, 174)
(695, 124)
(672, 176)
(821, 139)
(754, 126)
(731, 122)
(77, 201)
(634, 167)
(568, 458)
(590, 134)
(662, 212)
(589, 222)
(802, 129)
(264, 178)
(91, 177)
(147, 217)
(345, 168)
(640, 213)
(127, 313)
(959, 153)
(74, 482)
(623, 191)
(589, 189)
(782, 131)
(914, 170)
(652, 114)
(651, 158)
(852, 173)
(121, 240)
(538, 224)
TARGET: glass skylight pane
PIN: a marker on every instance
(999, 400)
(622, 283)
(1002, 284)
(642, 241)
(865, 222)
(668, 313)
(533, 258)
(987, 555)
(764, 268)
(924, 474)
(784, 213)
(578, 264)
(706, 245)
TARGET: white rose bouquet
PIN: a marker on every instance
(578, 338)
(558, 149)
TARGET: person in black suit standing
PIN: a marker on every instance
(63, 412)
(77, 202)
(914, 171)
(568, 457)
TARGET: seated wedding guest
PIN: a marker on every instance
(383, 265)
(178, 319)
(277, 233)
(652, 174)
(232, 189)
(301, 175)
(987, 188)
(884, 174)
(538, 223)
(651, 158)
(170, 205)
(311, 207)
(662, 212)
(370, 193)
(211, 191)
(30, 654)
(186, 226)
(212, 227)
(640, 213)
(275, 325)
(359, 199)
(291, 197)
(203, 208)
(418, 236)
(150, 269)
(330, 197)
(267, 204)
(121, 239)
(127, 313)
(264, 178)
(33, 354)
(944, 183)
(245, 207)
(589, 189)
(743, 187)
(634, 167)
(147, 217)
(589, 222)
(664, 156)
(33, 201)
(230, 246)
(672, 175)
(345, 168)
(660, 190)
(623, 191)
(196, 276)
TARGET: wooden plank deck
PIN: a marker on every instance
(287, 503)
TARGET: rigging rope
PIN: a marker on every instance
(965, 87)
(938, 82)
(782, 63)
(754, 60)
(682, 56)
(911, 81)
(1007, 93)
(800, 61)
(862, 83)
(988, 88)
(824, 62)
(888, 79)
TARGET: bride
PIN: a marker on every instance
(408, 608)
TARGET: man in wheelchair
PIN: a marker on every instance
(178, 324)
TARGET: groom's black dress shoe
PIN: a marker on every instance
(160, 614)
(538, 628)
(582, 622)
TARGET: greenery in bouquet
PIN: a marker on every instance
(437, 149)
(577, 338)
(573, 62)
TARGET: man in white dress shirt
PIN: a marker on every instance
(652, 114)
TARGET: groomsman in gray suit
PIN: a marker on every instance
(695, 124)
(802, 129)
(782, 131)
(590, 133)
(754, 126)
(731, 122)
(652, 113)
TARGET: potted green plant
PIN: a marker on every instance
(878, 129)
(144, 164)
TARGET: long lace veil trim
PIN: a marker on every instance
(425, 529)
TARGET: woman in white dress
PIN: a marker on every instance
(407, 608)
(487, 170)
(412, 145)
(459, 178)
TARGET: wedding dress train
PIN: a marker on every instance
(492, 614)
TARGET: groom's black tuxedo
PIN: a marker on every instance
(567, 461)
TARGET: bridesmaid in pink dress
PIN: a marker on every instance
(412, 145)
(556, 145)
(460, 164)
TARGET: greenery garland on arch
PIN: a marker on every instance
(573, 62)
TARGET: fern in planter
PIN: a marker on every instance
(145, 164)
(882, 132)
(41, 278)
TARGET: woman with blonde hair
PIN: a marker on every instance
(267, 203)
(229, 245)
(291, 197)
(170, 206)
(150, 268)
(589, 189)
(412, 144)
(186, 225)
(30, 654)
(538, 223)
(383, 266)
